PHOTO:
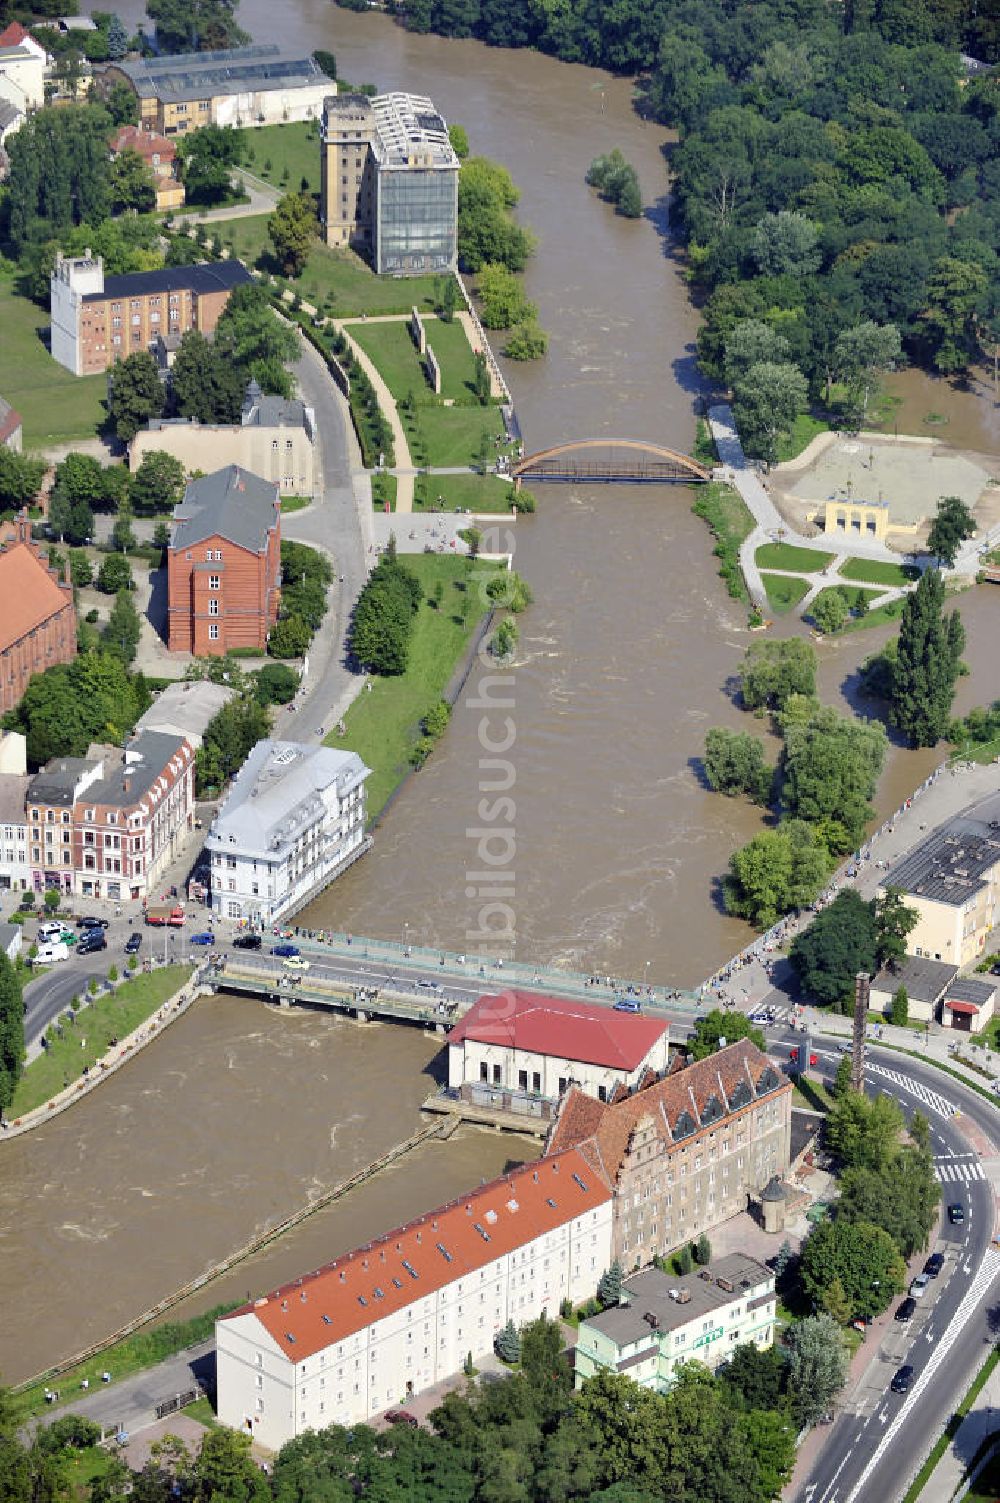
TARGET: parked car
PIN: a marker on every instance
(205, 938)
(906, 1308)
(247, 942)
(133, 944)
(628, 1004)
(401, 1417)
(91, 940)
(90, 922)
(67, 937)
(47, 932)
(902, 1379)
(934, 1265)
(284, 950)
(430, 986)
(295, 963)
(919, 1285)
(956, 1214)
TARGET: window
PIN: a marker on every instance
(213, 607)
(218, 555)
(214, 581)
(213, 632)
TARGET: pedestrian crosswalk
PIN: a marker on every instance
(949, 1172)
(928, 1097)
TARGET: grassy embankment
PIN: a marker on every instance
(802, 433)
(384, 726)
(88, 1038)
(729, 521)
(55, 405)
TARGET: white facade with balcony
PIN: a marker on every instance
(293, 820)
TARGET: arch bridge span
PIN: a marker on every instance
(627, 461)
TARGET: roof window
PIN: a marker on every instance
(444, 1252)
(580, 1182)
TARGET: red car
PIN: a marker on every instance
(793, 1055)
(400, 1417)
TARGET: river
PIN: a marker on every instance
(240, 1114)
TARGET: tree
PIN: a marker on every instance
(289, 638)
(122, 534)
(899, 1010)
(59, 173)
(276, 684)
(750, 342)
(224, 1467)
(251, 337)
(206, 386)
(766, 402)
(928, 658)
(774, 873)
(121, 104)
(844, 1078)
(609, 1287)
(11, 1031)
(862, 1256)
(157, 484)
(79, 477)
(292, 230)
(20, 479)
(207, 159)
(114, 574)
(326, 62)
(136, 395)
(895, 920)
(80, 569)
(195, 25)
(72, 521)
(132, 184)
(685, 1261)
(703, 1251)
(901, 1198)
(486, 231)
(773, 671)
(863, 1133)
(831, 765)
(124, 628)
(952, 525)
(70, 705)
(861, 354)
(528, 341)
(840, 942)
(817, 1365)
(502, 297)
(718, 1025)
(758, 1375)
(459, 138)
(507, 1343)
(829, 611)
(734, 763)
(836, 1304)
(117, 40)
(785, 243)
(954, 291)
(229, 737)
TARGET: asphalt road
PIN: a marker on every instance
(878, 1442)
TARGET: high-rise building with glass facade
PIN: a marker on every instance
(389, 182)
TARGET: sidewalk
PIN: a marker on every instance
(978, 1425)
(386, 401)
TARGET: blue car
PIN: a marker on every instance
(203, 939)
(285, 951)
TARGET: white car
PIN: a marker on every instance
(295, 963)
(919, 1285)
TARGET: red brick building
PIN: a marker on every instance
(37, 619)
(224, 564)
(97, 320)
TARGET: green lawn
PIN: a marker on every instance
(295, 147)
(383, 726)
(342, 275)
(394, 354)
(804, 430)
(875, 571)
(850, 595)
(452, 435)
(55, 405)
(383, 490)
(294, 503)
(784, 591)
(877, 617)
(478, 493)
(787, 556)
(110, 1016)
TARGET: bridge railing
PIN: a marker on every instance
(496, 973)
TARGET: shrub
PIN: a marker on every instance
(507, 1343)
(504, 639)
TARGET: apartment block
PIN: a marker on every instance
(384, 1322)
(664, 1321)
(687, 1152)
(389, 182)
(952, 882)
(97, 320)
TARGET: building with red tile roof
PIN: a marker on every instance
(526, 1042)
(37, 619)
(160, 155)
(685, 1153)
(389, 1319)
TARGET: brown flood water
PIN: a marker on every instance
(239, 1114)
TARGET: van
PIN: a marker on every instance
(91, 940)
(47, 932)
(50, 952)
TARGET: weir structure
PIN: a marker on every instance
(609, 461)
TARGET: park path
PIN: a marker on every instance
(404, 461)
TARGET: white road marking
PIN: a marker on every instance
(924, 1094)
(980, 1287)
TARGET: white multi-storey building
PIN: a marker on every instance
(393, 1318)
(293, 820)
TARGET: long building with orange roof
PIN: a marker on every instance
(37, 618)
(394, 1317)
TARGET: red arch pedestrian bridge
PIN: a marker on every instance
(625, 461)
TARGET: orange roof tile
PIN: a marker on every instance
(29, 594)
(424, 1255)
(561, 1028)
(680, 1104)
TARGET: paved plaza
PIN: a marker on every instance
(912, 475)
